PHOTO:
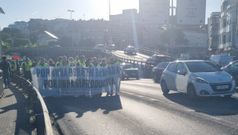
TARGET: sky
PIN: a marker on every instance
(23, 10)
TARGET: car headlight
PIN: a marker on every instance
(200, 80)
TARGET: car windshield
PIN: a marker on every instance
(202, 67)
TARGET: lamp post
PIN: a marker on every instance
(1, 12)
(109, 9)
(71, 13)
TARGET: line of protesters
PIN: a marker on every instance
(23, 67)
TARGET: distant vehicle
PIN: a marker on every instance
(129, 71)
(197, 78)
(156, 59)
(1, 73)
(158, 70)
(184, 56)
(100, 47)
(112, 47)
(130, 50)
(221, 60)
(232, 69)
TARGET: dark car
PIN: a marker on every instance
(156, 59)
(232, 69)
(130, 50)
(129, 71)
(158, 70)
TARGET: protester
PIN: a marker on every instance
(5, 66)
(92, 73)
(27, 65)
(51, 63)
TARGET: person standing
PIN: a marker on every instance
(27, 69)
(6, 69)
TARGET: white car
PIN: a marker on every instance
(130, 50)
(197, 78)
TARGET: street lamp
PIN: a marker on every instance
(71, 13)
(1, 12)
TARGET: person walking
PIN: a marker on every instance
(6, 69)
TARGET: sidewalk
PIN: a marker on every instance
(14, 119)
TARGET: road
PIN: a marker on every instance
(141, 109)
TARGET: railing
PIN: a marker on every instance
(148, 51)
(1, 87)
(38, 110)
(130, 59)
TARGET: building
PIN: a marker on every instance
(214, 31)
(154, 11)
(153, 14)
(70, 32)
(21, 26)
(124, 28)
(229, 25)
(191, 12)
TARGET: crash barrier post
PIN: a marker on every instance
(37, 107)
(1, 87)
(76, 81)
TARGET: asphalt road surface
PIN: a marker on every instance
(141, 109)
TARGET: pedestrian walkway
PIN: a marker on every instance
(14, 118)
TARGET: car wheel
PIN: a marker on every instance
(155, 79)
(164, 88)
(191, 92)
(98, 95)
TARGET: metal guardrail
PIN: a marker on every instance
(148, 51)
(37, 105)
(1, 87)
(130, 59)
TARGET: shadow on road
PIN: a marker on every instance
(63, 105)
(22, 118)
(217, 106)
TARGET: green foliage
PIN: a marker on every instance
(5, 45)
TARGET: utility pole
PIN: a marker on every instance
(109, 9)
(71, 13)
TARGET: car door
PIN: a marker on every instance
(170, 75)
(181, 77)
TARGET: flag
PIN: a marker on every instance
(1, 11)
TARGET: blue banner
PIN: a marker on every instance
(76, 81)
